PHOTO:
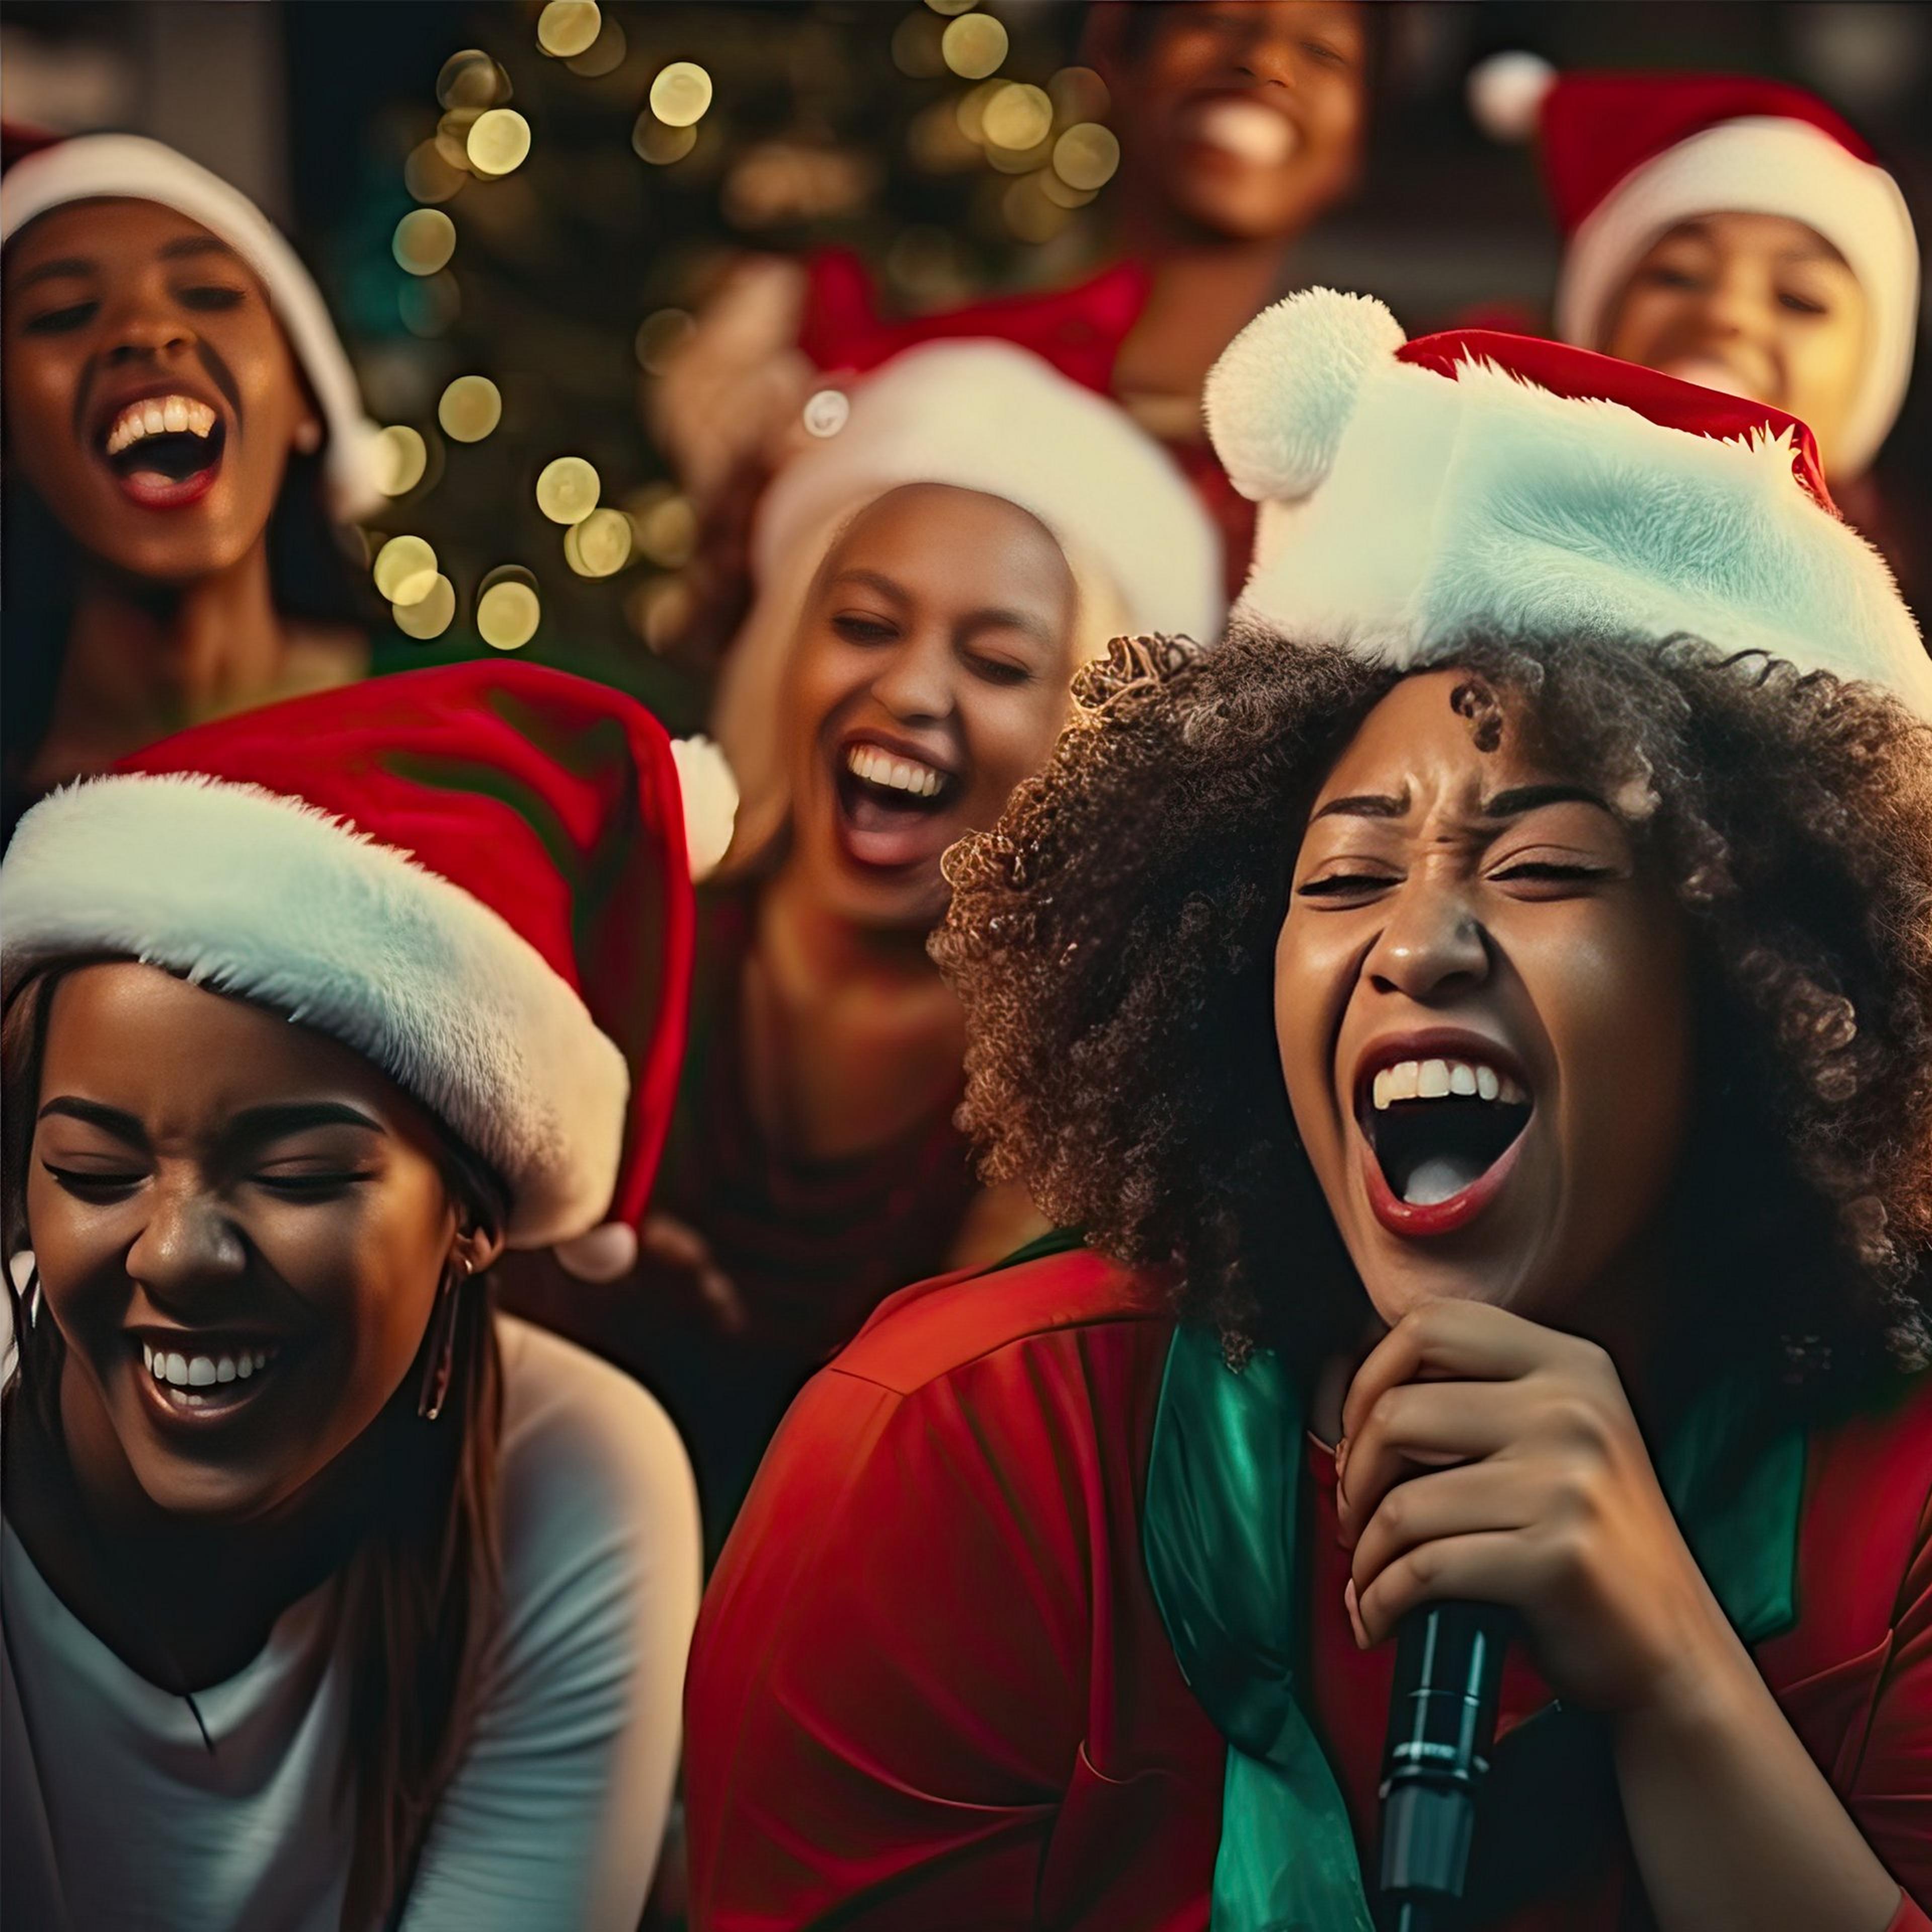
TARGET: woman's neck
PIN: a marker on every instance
(142, 660)
(1204, 291)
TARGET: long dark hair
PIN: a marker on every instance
(423, 1589)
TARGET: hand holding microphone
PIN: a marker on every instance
(1492, 1477)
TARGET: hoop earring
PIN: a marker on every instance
(439, 1362)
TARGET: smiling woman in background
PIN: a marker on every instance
(183, 429)
(967, 530)
(1487, 1040)
(335, 1603)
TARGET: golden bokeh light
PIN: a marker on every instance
(471, 407)
(681, 93)
(452, 136)
(950, 7)
(430, 615)
(403, 457)
(660, 337)
(1077, 93)
(1028, 213)
(605, 55)
(916, 46)
(567, 490)
(568, 28)
(970, 110)
(659, 609)
(1057, 192)
(600, 546)
(428, 176)
(507, 614)
(471, 79)
(406, 570)
(1086, 155)
(974, 45)
(665, 526)
(937, 143)
(1018, 160)
(499, 141)
(1018, 116)
(425, 240)
(659, 144)
(429, 304)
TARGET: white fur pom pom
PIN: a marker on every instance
(1506, 93)
(602, 1254)
(710, 802)
(1283, 390)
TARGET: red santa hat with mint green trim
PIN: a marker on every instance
(1414, 493)
(43, 174)
(1627, 157)
(476, 875)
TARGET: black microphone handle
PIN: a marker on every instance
(1442, 1723)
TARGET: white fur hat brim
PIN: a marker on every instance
(1403, 509)
(1765, 165)
(92, 167)
(254, 894)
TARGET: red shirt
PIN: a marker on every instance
(931, 1688)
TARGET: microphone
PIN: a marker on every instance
(1442, 1722)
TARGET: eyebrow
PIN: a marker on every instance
(65, 266)
(259, 1123)
(196, 245)
(1365, 805)
(871, 579)
(1514, 803)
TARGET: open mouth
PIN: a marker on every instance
(165, 450)
(1441, 1134)
(890, 804)
(215, 1379)
(1244, 130)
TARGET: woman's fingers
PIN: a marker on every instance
(1463, 1502)
(1457, 1341)
(1419, 1426)
(1494, 1566)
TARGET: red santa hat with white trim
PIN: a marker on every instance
(1414, 493)
(1627, 157)
(476, 875)
(129, 167)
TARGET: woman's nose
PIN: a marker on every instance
(916, 685)
(1431, 944)
(188, 1241)
(143, 330)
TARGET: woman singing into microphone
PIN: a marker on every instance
(1480, 1017)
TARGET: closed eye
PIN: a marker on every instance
(211, 297)
(996, 670)
(1802, 305)
(1343, 885)
(310, 1187)
(857, 627)
(1553, 875)
(88, 1183)
(58, 321)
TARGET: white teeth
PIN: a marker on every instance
(880, 768)
(200, 1372)
(245, 1367)
(1440, 1080)
(224, 1369)
(148, 1357)
(1256, 134)
(177, 1370)
(155, 416)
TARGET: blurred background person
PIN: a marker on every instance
(1734, 232)
(184, 440)
(1241, 122)
(965, 530)
(335, 1601)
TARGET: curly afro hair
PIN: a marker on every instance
(1113, 940)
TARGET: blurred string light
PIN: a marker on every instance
(664, 525)
(659, 337)
(508, 608)
(567, 490)
(498, 142)
(950, 7)
(471, 79)
(429, 304)
(937, 143)
(470, 408)
(659, 609)
(1077, 93)
(917, 51)
(568, 28)
(605, 55)
(600, 546)
(681, 93)
(1017, 116)
(974, 46)
(428, 177)
(405, 571)
(1086, 156)
(1030, 214)
(659, 144)
(403, 457)
(430, 615)
(425, 240)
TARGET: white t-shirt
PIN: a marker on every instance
(554, 1819)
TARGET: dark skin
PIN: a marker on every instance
(207, 1178)
(1490, 1447)
(110, 303)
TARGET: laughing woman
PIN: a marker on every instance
(1487, 1040)
(183, 433)
(335, 1602)
(958, 535)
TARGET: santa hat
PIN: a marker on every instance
(475, 875)
(982, 416)
(128, 167)
(1627, 157)
(1414, 493)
